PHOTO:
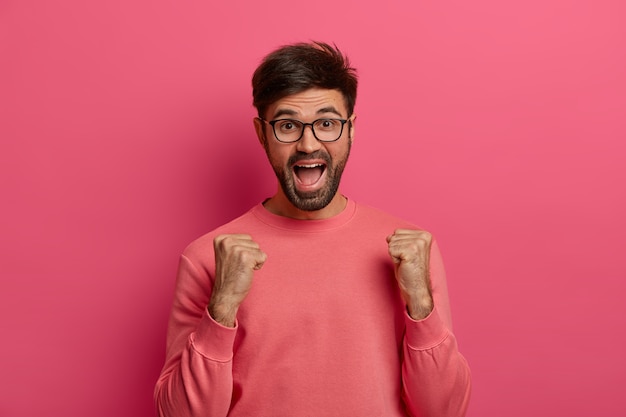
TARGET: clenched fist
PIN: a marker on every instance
(410, 252)
(237, 256)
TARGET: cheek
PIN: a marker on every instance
(339, 153)
(277, 156)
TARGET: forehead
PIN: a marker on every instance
(309, 103)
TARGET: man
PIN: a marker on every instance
(311, 304)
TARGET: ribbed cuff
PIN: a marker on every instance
(214, 340)
(426, 333)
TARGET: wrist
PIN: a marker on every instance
(419, 306)
(223, 313)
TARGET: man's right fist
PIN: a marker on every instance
(237, 256)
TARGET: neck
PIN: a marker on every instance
(281, 206)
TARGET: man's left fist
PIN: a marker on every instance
(410, 252)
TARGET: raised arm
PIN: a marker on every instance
(436, 377)
(197, 377)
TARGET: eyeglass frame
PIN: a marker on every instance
(304, 125)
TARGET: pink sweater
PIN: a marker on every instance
(323, 332)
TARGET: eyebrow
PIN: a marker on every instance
(289, 112)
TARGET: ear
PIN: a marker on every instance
(351, 124)
(259, 128)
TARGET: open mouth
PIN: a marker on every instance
(309, 174)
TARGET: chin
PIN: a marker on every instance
(310, 203)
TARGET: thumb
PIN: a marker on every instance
(260, 261)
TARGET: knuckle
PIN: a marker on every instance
(223, 240)
(424, 237)
(246, 257)
(424, 234)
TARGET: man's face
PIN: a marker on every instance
(308, 171)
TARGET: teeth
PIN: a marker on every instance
(310, 166)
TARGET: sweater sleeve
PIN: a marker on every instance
(196, 379)
(435, 376)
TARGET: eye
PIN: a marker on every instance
(327, 124)
(288, 126)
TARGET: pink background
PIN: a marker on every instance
(125, 133)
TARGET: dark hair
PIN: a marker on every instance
(294, 68)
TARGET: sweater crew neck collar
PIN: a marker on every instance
(299, 225)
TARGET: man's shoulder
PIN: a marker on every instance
(376, 217)
(239, 224)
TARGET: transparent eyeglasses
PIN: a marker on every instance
(292, 130)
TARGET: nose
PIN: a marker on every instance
(308, 143)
